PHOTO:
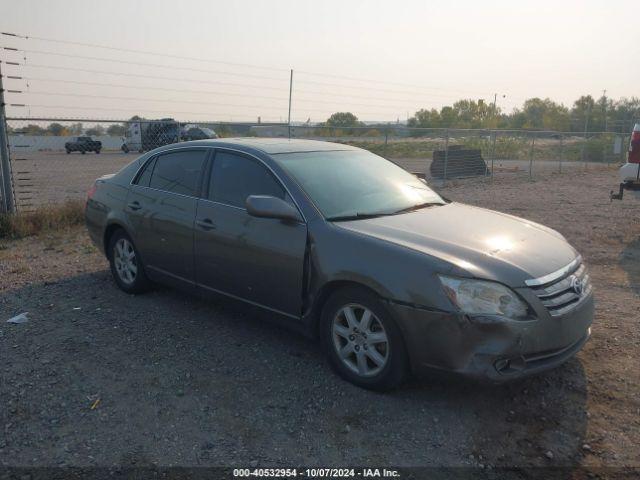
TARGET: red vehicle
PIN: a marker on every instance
(630, 171)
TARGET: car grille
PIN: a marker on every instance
(560, 296)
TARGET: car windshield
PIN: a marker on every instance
(356, 184)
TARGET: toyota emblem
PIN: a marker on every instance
(576, 285)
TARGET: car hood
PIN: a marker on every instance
(483, 243)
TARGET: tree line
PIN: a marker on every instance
(586, 114)
(58, 130)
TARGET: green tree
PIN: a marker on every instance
(76, 129)
(56, 129)
(537, 113)
(116, 130)
(343, 119)
(32, 129)
(425, 119)
(95, 131)
(581, 113)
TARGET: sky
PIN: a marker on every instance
(382, 60)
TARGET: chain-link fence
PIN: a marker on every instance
(56, 160)
(442, 155)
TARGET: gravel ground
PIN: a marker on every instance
(98, 377)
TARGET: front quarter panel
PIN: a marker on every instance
(394, 272)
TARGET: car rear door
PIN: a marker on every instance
(161, 208)
(259, 260)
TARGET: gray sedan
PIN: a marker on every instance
(350, 248)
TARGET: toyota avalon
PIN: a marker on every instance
(351, 249)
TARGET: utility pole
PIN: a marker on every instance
(495, 106)
(8, 205)
(604, 108)
(586, 129)
(290, 93)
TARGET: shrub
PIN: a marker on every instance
(43, 219)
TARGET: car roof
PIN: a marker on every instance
(271, 146)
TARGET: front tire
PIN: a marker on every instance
(126, 265)
(362, 341)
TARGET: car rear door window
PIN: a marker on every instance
(145, 175)
(178, 172)
(235, 177)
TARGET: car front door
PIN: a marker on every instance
(259, 260)
(161, 208)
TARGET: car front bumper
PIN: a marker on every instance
(491, 348)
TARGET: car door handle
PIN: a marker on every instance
(205, 224)
(135, 205)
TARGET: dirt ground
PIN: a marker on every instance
(98, 377)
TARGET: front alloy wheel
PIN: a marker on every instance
(360, 340)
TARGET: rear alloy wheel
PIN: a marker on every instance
(362, 341)
(126, 267)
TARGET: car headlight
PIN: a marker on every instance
(482, 297)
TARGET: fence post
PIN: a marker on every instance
(290, 94)
(493, 151)
(561, 153)
(533, 143)
(8, 204)
(386, 141)
(446, 156)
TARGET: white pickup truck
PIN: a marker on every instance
(630, 171)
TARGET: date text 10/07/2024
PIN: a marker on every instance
(316, 472)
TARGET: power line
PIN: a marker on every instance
(221, 62)
(163, 112)
(155, 65)
(348, 95)
(380, 82)
(136, 75)
(178, 90)
(395, 102)
(111, 97)
(357, 87)
(209, 92)
(143, 52)
(217, 72)
(162, 100)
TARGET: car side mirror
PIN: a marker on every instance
(265, 206)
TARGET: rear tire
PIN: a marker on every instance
(362, 341)
(68, 151)
(97, 152)
(126, 266)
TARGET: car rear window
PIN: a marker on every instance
(178, 172)
(145, 175)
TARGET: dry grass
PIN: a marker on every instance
(42, 220)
